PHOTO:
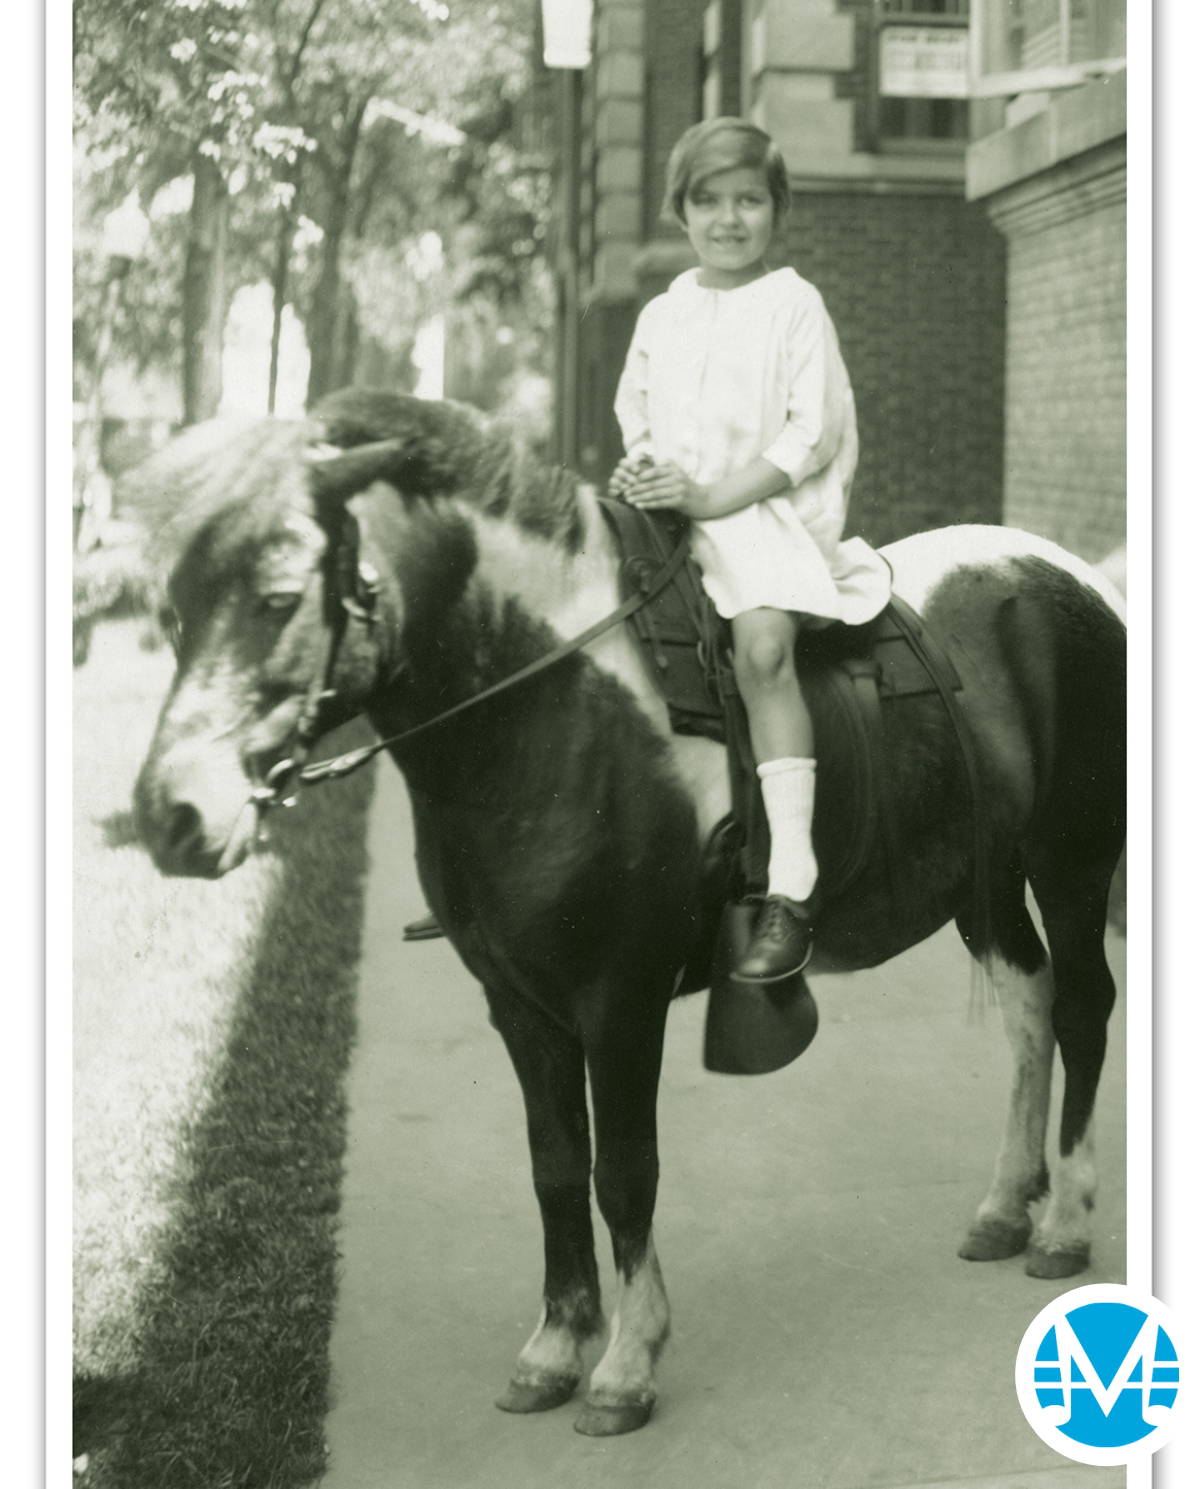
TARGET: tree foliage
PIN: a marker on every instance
(345, 132)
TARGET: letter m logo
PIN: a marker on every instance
(1100, 1368)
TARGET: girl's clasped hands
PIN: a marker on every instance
(641, 482)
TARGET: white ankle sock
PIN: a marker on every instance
(788, 787)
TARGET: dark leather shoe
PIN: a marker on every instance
(781, 944)
(426, 929)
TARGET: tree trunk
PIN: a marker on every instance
(323, 316)
(346, 339)
(279, 296)
(325, 363)
(204, 305)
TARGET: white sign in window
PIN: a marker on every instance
(924, 62)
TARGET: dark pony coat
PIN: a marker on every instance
(394, 558)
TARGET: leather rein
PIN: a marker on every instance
(280, 783)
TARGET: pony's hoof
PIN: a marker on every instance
(538, 1395)
(611, 1419)
(1053, 1263)
(993, 1240)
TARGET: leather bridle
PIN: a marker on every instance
(350, 591)
(355, 597)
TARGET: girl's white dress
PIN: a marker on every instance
(715, 378)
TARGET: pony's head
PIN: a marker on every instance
(266, 604)
(271, 600)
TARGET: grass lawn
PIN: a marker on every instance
(212, 1026)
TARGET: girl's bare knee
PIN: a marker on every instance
(762, 662)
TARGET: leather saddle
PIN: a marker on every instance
(851, 677)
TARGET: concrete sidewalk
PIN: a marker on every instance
(824, 1331)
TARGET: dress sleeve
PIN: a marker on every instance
(818, 400)
(631, 403)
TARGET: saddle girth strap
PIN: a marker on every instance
(863, 675)
(946, 682)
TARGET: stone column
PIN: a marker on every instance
(794, 49)
(618, 148)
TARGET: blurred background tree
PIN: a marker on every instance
(369, 163)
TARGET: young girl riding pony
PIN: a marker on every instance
(736, 409)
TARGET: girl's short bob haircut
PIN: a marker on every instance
(724, 144)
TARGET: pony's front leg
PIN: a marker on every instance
(624, 1066)
(550, 1067)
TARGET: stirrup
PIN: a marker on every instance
(425, 929)
(752, 1028)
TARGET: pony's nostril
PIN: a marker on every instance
(183, 826)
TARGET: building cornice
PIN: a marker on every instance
(885, 184)
(1092, 181)
(1071, 124)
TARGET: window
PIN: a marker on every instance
(921, 69)
(925, 8)
(1022, 46)
(721, 65)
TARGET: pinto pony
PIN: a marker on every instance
(397, 558)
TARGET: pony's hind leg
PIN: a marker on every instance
(1021, 975)
(550, 1067)
(1074, 916)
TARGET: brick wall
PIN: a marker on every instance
(1066, 388)
(631, 123)
(914, 278)
(916, 287)
(1054, 181)
(674, 80)
(605, 334)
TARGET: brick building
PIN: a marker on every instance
(1049, 164)
(913, 273)
(971, 250)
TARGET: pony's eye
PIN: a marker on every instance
(281, 603)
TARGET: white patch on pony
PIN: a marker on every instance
(1026, 1007)
(1066, 1222)
(202, 761)
(305, 527)
(209, 706)
(639, 1330)
(920, 562)
(551, 1351)
(572, 592)
(703, 768)
(287, 564)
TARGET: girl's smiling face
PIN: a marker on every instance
(729, 218)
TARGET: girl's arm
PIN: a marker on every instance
(816, 424)
(631, 402)
(819, 395)
(668, 486)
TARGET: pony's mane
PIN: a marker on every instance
(537, 497)
(242, 475)
(234, 481)
(452, 449)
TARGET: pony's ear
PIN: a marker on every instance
(421, 446)
(336, 475)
